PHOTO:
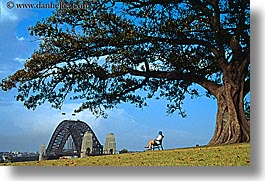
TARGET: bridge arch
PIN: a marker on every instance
(75, 129)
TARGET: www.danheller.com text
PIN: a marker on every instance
(51, 5)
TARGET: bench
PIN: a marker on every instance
(158, 145)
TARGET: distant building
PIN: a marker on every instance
(110, 144)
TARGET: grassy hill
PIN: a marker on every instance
(225, 155)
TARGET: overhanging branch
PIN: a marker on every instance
(207, 84)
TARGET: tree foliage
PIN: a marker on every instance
(108, 51)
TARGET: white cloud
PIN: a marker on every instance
(7, 14)
(5, 101)
(20, 60)
(5, 70)
(20, 38)
(2, 69)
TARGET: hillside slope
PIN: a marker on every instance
(225, 155)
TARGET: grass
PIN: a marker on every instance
(225, 155)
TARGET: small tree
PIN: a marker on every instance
(110, 49)
(123, 151)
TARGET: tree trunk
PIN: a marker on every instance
(231, 122)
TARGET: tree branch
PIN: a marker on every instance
(207, 84)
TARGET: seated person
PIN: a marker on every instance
(155, 141)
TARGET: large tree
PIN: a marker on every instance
(111, 51)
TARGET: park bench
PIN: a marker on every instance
(158, 145)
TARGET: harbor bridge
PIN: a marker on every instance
(67, 139)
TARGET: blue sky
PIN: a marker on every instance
(26, 130)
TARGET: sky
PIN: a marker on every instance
(25, 130)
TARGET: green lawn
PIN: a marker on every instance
(225, 155)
